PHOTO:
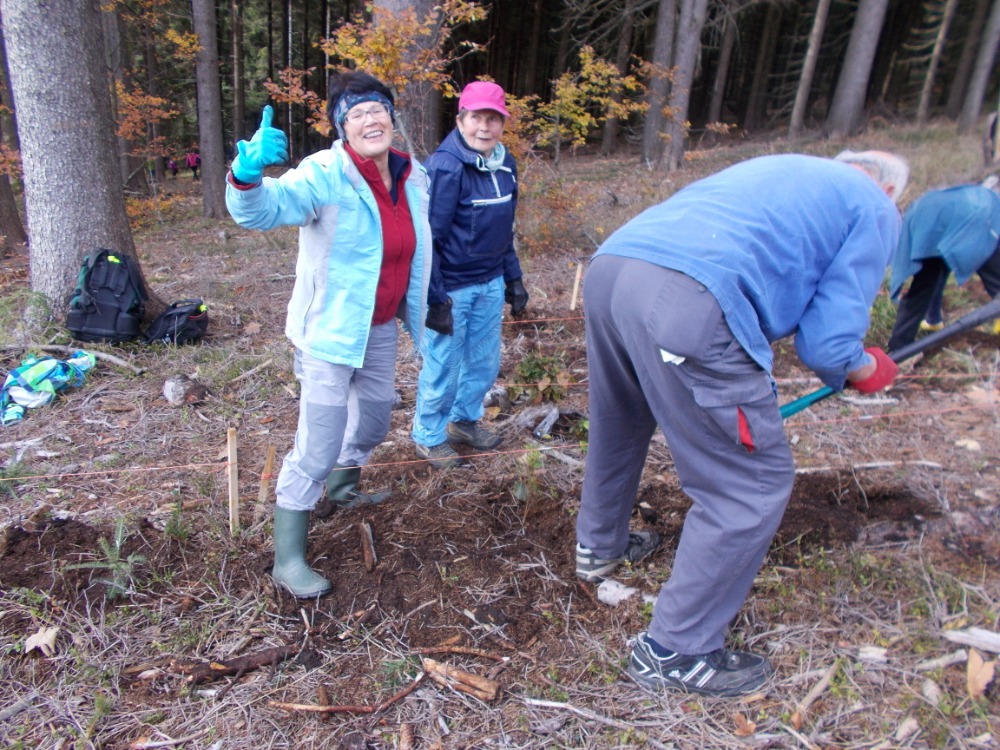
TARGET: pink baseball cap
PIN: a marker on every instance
(483, 95)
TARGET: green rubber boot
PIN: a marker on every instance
(342, 489)
(290, 567)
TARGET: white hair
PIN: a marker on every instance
(889, 171)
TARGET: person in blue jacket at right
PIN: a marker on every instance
(683, 303)
(475, 270)
(955, 230)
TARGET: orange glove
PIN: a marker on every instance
(885, 372)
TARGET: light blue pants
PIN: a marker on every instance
(641, 319)
(344, 414)
(459, 369)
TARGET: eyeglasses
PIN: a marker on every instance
(377, 111)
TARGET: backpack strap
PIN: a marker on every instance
(86, 297)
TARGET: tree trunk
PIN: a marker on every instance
(960, 81)
(72, 191)
(153, 89)
(757, 103)
(213, 162)
(7, 115)
(420, 117)
(659, 86)
(809, 68)
(722, 69)
(688, 43)
(847, 109)
(239, 87)
(973, 103)
(610, 136)
(11, 226)
(924, 107)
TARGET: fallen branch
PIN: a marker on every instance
(72, 350)
(984, 640)
(817, 690)
(251, 372)
(870, 465)
(206, 671)
(593, 716)
(961, 656)
(167, 743)
(378, 708)
(467, 650)
(314, 709)
(460, 680)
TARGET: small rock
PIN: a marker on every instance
(180, 390)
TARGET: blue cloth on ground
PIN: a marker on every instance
(37, 380)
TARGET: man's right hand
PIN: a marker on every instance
(439, 318)
(268, 146)
(881, 377)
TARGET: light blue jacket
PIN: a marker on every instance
(787, 244)
(340, 251)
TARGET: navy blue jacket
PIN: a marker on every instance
(472, 218)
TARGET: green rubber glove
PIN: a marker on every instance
(268, 146)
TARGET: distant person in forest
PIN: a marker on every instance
(954, 230)
(476, 269)
(682, 305)
(172, 166)
(364, 260)
(193, 161)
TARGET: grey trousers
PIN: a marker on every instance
(344, 414)
(659, 352)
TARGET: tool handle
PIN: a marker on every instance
(984, 314)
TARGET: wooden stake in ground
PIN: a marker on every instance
(576, 286)
(234, 483)
(367, 546)
(265, 485)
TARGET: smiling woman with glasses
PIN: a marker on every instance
(364, 261)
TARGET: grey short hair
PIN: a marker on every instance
(889, 171)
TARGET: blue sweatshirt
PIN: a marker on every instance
(787, 244)
(472, 218)
(960, 225)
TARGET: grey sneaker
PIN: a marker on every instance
(591, 568)
(441, 456)
(721, 673)
(472, 434)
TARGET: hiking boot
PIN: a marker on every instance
(441, 456)
(472, 434)
(927, 326)
(720, 673)
(641, 544)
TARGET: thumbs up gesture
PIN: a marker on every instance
(268, 146)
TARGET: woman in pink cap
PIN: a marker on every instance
(475, 270)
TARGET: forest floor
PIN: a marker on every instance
(174, 636)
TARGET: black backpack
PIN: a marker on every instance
(109, 300)
(183, 322)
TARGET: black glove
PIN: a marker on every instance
(516, 296)
(439, 317)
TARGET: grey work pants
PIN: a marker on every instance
(641, 320)
(344, 414)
